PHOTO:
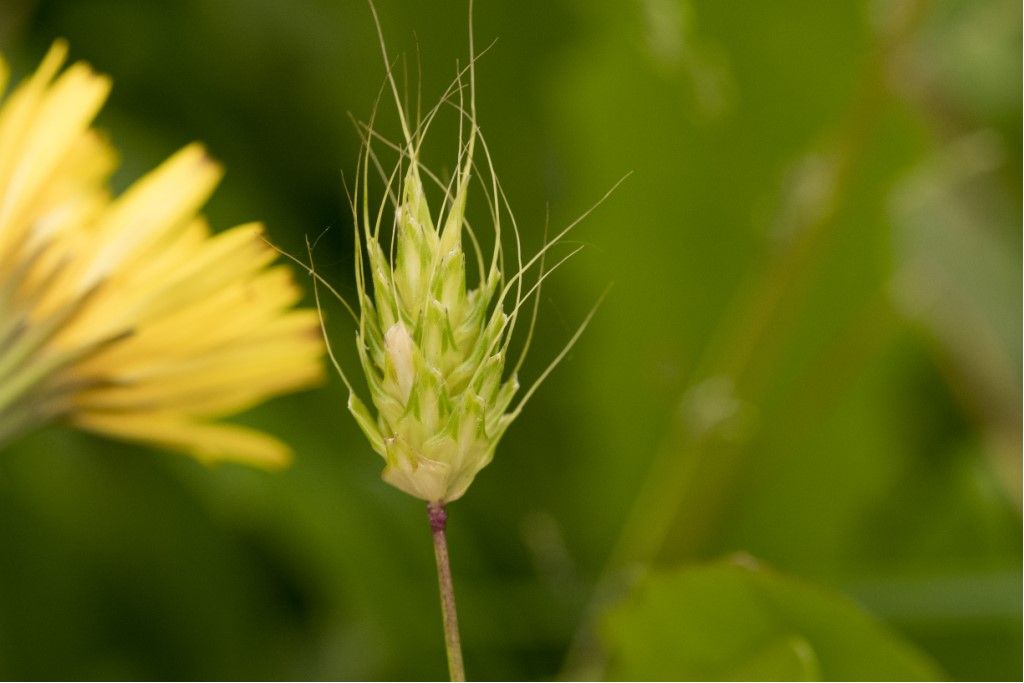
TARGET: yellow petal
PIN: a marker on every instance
(50, 125)
(17, 112)
(209, 443)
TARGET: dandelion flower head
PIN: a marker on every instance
(126, 315)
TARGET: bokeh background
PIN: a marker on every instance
(810, 360)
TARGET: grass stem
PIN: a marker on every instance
(438, 521)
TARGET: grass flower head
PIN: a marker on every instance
(436, 312)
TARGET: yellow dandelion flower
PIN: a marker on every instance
(126, 315)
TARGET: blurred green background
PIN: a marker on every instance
(811, 356)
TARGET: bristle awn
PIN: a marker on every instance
(561, 355)
(323, 324)
(536, 297)
(565, 231)
(317, 277)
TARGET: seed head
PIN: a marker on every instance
(432, 349)
(433, 344)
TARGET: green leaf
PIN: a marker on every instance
(738, 621)
(791, 658)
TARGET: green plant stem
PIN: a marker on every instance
(452, 645)
(740, 350)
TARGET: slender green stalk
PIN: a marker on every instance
(739, 351)
(452, 644)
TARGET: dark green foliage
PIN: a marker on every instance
(799, 360)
